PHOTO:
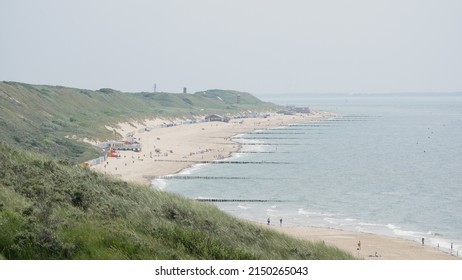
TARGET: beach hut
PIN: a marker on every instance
(216, 118)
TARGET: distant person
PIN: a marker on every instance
(269, 221)
(280, 222)
(423, 241)
(359, 245)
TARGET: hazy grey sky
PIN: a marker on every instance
(259, 46)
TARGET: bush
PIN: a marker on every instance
(54, 211)
(199, 245)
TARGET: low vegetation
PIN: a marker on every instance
(51, 119)
(50, 209)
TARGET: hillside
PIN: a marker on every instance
(46, 118)
(52, 210)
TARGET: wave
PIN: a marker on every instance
(160, 184)
(249, 148)
(192, 169)
(301, 211)
(371, 224)
(392, 227)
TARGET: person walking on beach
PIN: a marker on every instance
(359, 245)
(280, 222)
(269, 221)
(423, 241)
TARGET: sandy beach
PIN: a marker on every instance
(373, 247)
(168, 150)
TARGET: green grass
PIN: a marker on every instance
(50, 209)
(39, 117)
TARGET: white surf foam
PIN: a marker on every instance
(159, 184)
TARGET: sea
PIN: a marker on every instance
(389, 164)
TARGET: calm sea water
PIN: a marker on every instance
(387, 164)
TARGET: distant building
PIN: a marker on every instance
(286, 112)
(292, 110)
(216, 118)
(302, 110)
(124, 146)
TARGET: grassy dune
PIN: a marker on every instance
(39, 117)
(52, 210)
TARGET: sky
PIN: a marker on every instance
(257, 46)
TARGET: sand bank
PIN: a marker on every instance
(373, 247)
(168, 150)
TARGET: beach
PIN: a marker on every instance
(169, 146)
(373, 246)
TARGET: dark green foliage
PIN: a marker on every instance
(187, 101)
(51, 210)
(106, 90)
(37, 239)
(199, 245)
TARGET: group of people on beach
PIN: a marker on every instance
(269, 221)
(375, 255)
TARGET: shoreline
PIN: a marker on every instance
(165, 153)
(373, 246)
